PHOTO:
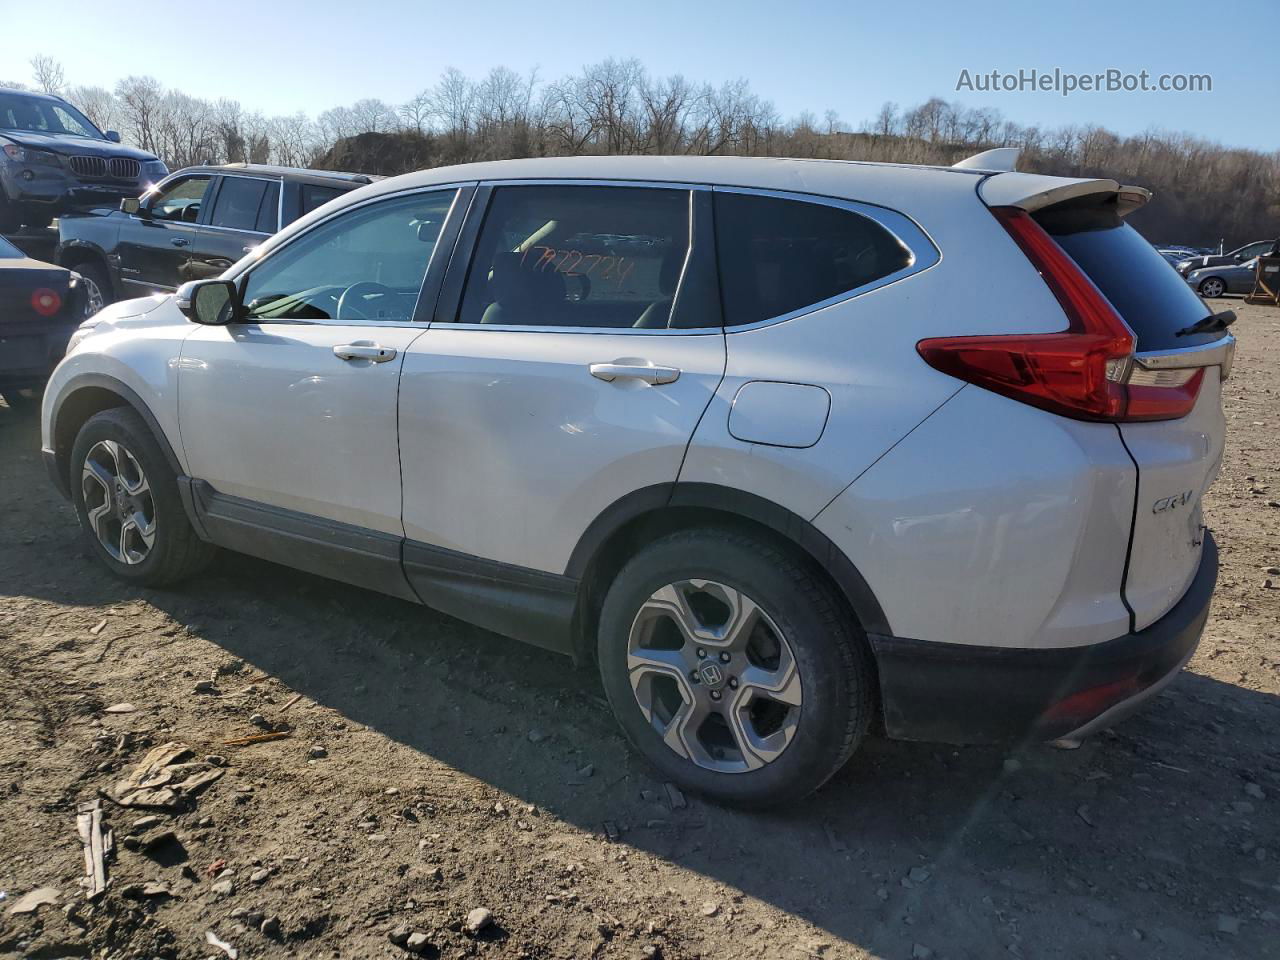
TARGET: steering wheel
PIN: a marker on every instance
(350, 306)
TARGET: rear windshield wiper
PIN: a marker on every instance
(1214, 323)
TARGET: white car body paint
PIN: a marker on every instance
(974, 519)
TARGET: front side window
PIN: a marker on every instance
(239, 203)
(365, 264)
(778, 255)
(180, 201)
(582, 256)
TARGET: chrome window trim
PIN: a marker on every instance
(397, 195)
(919, 245)
(1219, 353)
(923, 251)
(689, 188)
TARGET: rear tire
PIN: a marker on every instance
(733, 722)
(126, 497)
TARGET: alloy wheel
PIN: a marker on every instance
(92, 296)
(118, 502)
(1212, 288)
(714, 675)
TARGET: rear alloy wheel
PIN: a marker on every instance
(714, 676)
(734, 667)
(1212, 288)
(126, 495)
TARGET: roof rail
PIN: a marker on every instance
(1003, 159)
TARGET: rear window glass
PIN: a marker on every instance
(1145, 290)
(314, 196)
(778, 256)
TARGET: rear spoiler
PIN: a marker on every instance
(1033, 191)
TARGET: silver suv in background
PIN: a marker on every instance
(53, 159)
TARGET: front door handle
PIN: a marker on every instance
(179, 241)
(364, 350)
(634, 370)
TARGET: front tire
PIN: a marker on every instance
(1212, 288)
(98, 290)
(126, 497)
(733, 666)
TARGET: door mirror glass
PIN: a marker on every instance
(211, 302)
(113, 136)
(131, 205)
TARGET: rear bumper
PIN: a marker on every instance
(33, 354)
(958, 693)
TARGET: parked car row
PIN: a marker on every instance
(193, 224)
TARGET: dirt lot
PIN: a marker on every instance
(462, 770)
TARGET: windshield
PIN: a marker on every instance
(38, 115)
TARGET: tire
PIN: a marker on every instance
(121, 443)
(1212, 287)
(809, 729)
(10, 215)
(95, 274)
(22, 400)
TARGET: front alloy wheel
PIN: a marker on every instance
(1212, 288)
(119, 507)
(714, 676)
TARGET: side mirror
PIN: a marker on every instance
(113, 136)
(131, 205)
(214, 303)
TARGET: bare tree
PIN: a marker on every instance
(47, 73)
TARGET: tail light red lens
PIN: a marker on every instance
(1080, 372)
(45, 302)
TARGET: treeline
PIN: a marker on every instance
(1206, 192)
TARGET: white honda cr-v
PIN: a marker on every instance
(788, 447)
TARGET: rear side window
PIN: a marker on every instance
(778, 255)
(269, 210)
(584, 256)
(314, 196)
(237, 204)
(1151, 298)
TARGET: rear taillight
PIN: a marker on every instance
(1082, 372)
(45, 302)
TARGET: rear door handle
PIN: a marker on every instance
(634, 370)
(179, 241)
(364, 351)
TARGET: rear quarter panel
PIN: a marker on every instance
(862, 350)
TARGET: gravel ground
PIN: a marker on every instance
(432, 770)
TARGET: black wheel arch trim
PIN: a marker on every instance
(130, 398)
(749, 506)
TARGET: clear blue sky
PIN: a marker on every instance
(851, 56)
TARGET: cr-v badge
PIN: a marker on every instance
(1172, 503)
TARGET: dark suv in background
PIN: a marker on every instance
(191, 226)
(53, 159)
